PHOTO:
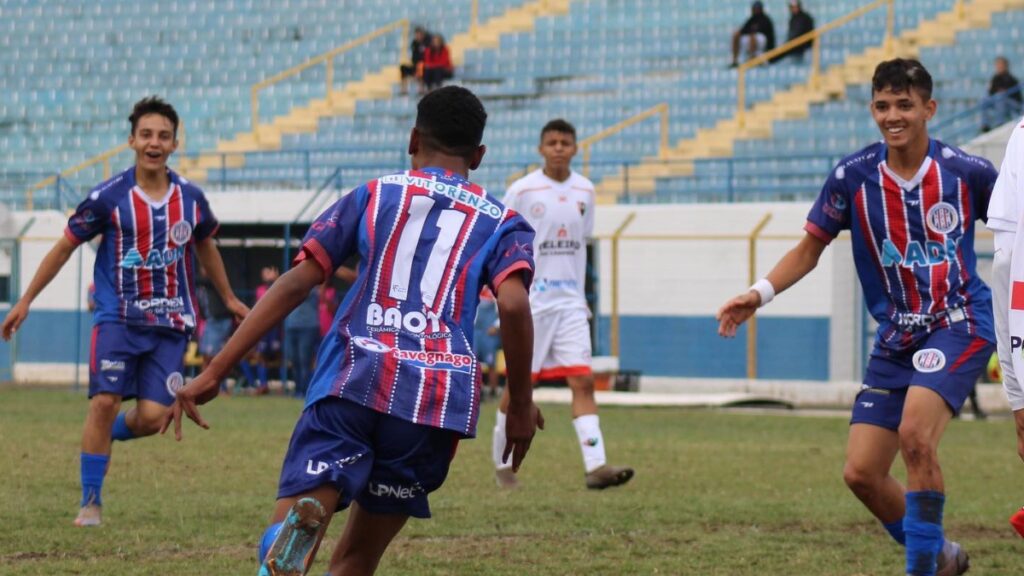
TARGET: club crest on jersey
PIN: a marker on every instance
(175, 382)
(155, 259)
(181, 232)
(943, 218)
(929, 360)
(537, 210)
(583, 208)
(930, 254)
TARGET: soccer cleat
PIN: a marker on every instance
(1017, 521)
(607, 476)
(287, 556)
(89, 515)
(953, 560)
(506, 478)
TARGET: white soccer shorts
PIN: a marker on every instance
(561, 344)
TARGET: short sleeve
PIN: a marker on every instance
(333, 236)
(206, 223)
(831, 211)
(511, 196)
(1003, 205)
(89, 219)
(588, 217)
(513, 252)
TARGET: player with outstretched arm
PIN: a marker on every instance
(910, 203)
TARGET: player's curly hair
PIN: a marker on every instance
(153, 105)
(558, 125)
(451, 120)
(900, 75)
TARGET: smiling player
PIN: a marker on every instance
(910, 203)
(152, 221)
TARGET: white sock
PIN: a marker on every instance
(498, 443)
(588, 430)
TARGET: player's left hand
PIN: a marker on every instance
(199, 391)
(238, 308)
(736, 312)
(1018, 416)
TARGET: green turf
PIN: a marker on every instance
(715, 493)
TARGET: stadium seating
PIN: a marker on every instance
(71, 70)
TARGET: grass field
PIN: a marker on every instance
(715, 493)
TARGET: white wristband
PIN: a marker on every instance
(765, 289)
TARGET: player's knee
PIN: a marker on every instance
(582, 384)
(858, 479)
(105, 405)
(916, 447)
(147, 424)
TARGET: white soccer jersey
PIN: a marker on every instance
(562, 214)
(1005, 220)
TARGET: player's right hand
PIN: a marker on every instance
(520, 426)
(200, 390)
(736, 312)
(13, 320)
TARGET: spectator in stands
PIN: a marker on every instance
(302, 338)
(758, 32)
(437, 63)
(414, 70)
(1004, 108)
(800, 23)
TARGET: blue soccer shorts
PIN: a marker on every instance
(386, 464)
(946, 362)
(145, 362)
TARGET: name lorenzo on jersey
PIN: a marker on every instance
(456, 193)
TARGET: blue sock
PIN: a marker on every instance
(267, 540)
(94, 468)
(121, 430)
(923, 527)
(250, 378)
(895, 529)
(261, 375)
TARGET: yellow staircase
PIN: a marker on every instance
(376, 85)
(795, 102)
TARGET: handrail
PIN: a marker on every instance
(589, 141)
(327, 58)
(814, 36)
(103, 157)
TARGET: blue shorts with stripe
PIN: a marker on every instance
(946, 362)
(384, 463)
(145, 362)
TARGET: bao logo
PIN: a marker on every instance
(929, 360)
(181, 232)
(175, 382)
(943, 218)
(371, 344)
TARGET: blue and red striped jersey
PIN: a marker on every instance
(401, 342)
(143, 271)
(913, 241)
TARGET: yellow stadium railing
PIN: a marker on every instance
(327, 59)
(815, 37)
(660, 109)
(101, 158)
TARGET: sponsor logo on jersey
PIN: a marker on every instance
(111, 365)
(175, 382)
(181, 232)
(161, 305)
(545, 284)
(460, 195)
(381, 490)
(393, 320)
(930, 254)
(155, 259)
(436, 360)
(1016, 342)
(371, 344)
(943, 218)
(835, 207)
(929, 360)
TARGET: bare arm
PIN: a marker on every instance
(796, 264)
(209, 257)
(346, 274)
(517, 340)
(283, 296)
(47, 271)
